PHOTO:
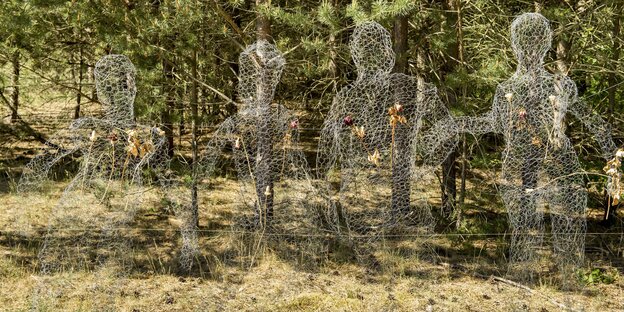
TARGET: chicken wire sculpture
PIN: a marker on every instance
(370, 144)
(261, 141)
(89, 226)
(540, 167)
(178, 194)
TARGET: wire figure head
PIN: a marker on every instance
(116, 87)
(261, 66)
(371, 49)
(531, 38)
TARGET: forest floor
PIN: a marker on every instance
(457, 271)
(458, 274)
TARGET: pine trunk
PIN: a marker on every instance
(194, 121)
(401, 150)
(167, 113)
(79, 86)
(16, 89)
(264, 157)
(610, 213)
(612, 80)
(464, 155)
(449, 171)
(263, 23)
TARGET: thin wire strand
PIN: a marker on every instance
(4, 232)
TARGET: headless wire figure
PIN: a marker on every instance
(86, 226)
(370, 143)
(262, 142)
(539, 164)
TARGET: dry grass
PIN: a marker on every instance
(283, 278)
(407, 279)
(278, 286)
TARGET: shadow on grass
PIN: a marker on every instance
(153, 247)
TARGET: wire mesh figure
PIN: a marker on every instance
(539, 164)
(261, 141)
(178, 194)
(370, 142)
(86, 229)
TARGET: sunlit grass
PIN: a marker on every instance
(303, 275)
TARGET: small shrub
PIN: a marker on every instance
(597, 276)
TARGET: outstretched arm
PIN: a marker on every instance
(37, 170)
(489, 122)
(210, 155)
(91, 123)
(442, 136)
(329, 147)
(596, 125)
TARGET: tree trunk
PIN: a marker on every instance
(264, 157)
(612, 80)
(208, 53)
(400, 43)
(335, 40)
(194, 112)
(180, 112)
(562, 49)
(263, 23)
(16, 89)
(333, 65)
(401, 150)
(610, 213)
(449, 185)
(167, 113)
(449, 171)
(168, 89)
(91, 80)
(562, 54)
(464, 155)
(80, 78)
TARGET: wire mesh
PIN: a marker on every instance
(540, 169)
(372, 153)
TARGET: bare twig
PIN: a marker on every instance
(524, 287)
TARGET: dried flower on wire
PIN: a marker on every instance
(395, 115)
(348, 121)
(614, 185)
(509, 97)
(359, 132)
(112, 137)
(375, 158)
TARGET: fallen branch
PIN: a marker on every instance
(528, 289)
(514, 284)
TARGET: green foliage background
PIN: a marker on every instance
(52, 36)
